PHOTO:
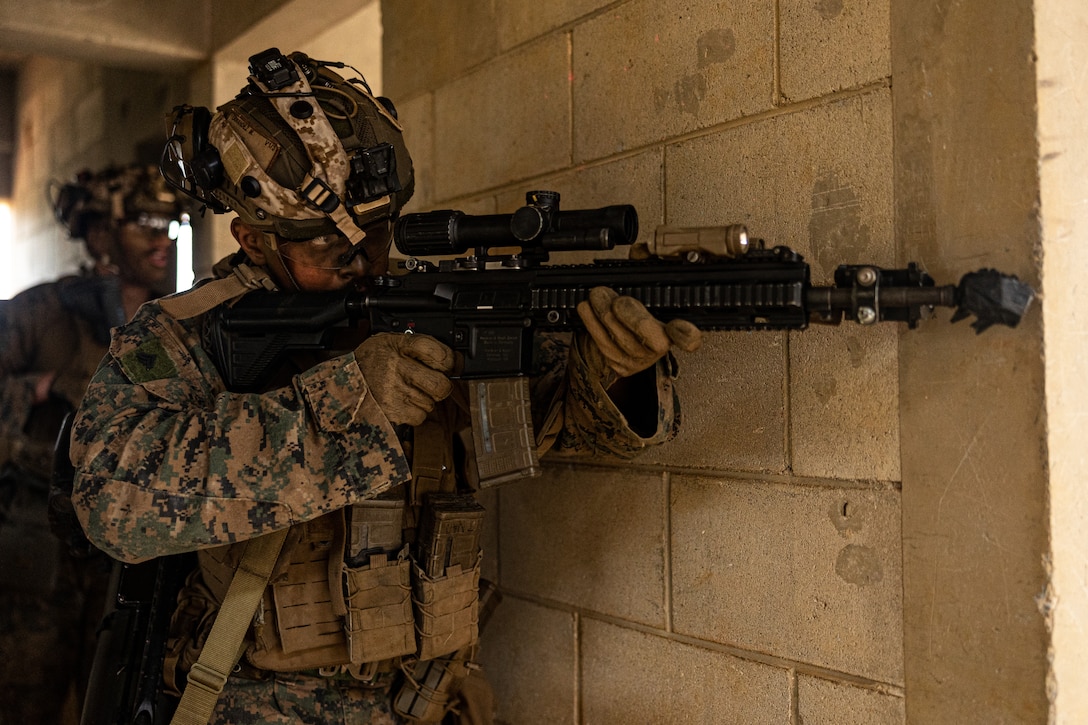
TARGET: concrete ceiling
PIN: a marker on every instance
(164, 35)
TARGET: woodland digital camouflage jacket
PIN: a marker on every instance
(170, 461)
(53, 327)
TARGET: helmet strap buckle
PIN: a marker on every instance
(318, 193)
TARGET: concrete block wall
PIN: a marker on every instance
(855, 525)
(750, 571)
(59, 128)
(75, 115)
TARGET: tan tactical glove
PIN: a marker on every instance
(628, 337)
(406, 374)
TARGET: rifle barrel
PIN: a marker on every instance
(845, 299)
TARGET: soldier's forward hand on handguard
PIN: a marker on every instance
(627, 337)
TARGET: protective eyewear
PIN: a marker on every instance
(334, 251)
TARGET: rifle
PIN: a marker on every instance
(125, 681)
(125, 686)
(488, 305)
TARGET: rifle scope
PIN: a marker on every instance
(537, 225)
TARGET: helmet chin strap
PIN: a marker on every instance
(275, 261)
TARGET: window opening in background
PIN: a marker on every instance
(182, 234)
(9, 271)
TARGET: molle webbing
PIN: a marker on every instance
(432, 461)
(299, 627)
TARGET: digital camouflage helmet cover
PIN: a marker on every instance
(134, 193)
(301, 151)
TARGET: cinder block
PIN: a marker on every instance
(635, 677)
(528, 656)
(819, 181)
(844, 402)
(595, 186)
(508, 120)
(417, 117)
(589, 538)
(484, 204)
(830, 45)
(429, 43)
(823, 702)
(646, 71)
(808, 573)
(732, 400)
(522, 21)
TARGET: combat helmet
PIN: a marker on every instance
(301, 151)
(118, 194)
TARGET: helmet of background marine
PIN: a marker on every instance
(300, 152)
(119, 194)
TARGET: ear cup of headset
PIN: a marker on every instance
(388, 104)
(201, 121)
(206, 165)
(69, 199)
(207, 168)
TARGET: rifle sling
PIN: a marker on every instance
(207, 296)
(224, 644)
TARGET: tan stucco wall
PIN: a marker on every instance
(1061, 27)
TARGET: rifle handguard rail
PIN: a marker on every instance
(489, 315)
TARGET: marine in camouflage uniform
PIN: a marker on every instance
(52, 338)
(170, 460)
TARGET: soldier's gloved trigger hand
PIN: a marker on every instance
(406, 374)
(628, 337)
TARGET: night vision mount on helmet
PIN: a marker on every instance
(300, 151)
(133, 193)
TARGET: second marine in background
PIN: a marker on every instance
(52, 338)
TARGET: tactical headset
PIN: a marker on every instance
(300, 151)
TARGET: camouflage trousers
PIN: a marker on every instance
(37, 660)
(288, 699)
(50, 606)
(46, 646)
